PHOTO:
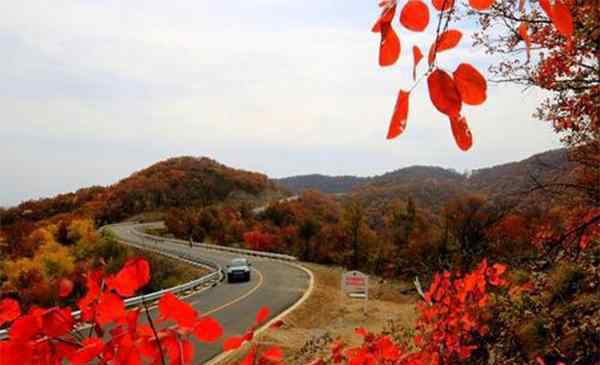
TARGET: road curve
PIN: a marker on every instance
(274, 284)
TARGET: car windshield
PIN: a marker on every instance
(238, 262)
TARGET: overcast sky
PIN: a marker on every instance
(93, 90)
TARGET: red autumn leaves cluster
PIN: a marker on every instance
(466, 85)
(455, 311)
(560, 16)
(453, 314)
(260, 241)
(52, 336)
(447, 92)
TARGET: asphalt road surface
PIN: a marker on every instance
(274, 284)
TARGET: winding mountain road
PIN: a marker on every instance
(275, 284)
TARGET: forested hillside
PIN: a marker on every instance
(50, 241)
(322, 183)
(522, 176)
(176, 182)
(433, 186)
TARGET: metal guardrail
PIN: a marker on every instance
(215, 275)
(240, 251)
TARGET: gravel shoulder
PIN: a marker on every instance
(327, 316)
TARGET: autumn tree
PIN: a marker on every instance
(260, 241)
(353, 222)
(307, 229)
(554, 46)
(468, 219)
(401, 222)
(14, 237)
(280, 213)
(182, 223)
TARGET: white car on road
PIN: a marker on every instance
(238, 270)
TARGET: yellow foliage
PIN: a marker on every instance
(51, 261)
(82, 230)
(53, 229)
(54, 260)
(14, 270)
(40, 237)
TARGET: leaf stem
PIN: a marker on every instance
(162, 355)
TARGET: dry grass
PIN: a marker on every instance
(327, 315)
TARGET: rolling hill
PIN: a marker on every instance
(176, 182)
(433, 186)
(201, 181)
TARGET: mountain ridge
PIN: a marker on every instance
(439, 182)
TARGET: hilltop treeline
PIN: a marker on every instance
(176, 182)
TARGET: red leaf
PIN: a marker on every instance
(481, 4)
(262, 315)
(273, 354)
(110, 308)
(461, 132)
(208, 330)
(415, 15)
(172, 308)
(389, 48)
(187, 349)
(524, 34)
(178, 351)
(232, 343)
(170, 345)
(470, 84)
(132, 317)
(86, 304)
(92, 347)
(361, 331)
(547, 7)
(9, 310)
(25, 327)
(447, 40)
(417, 57)
(277, 324)
(386, 17)
(442, 5)
(521, 5)
(562, 19)
(12, 352)
(134, 275)
(65, 287)
(57, 322)
(249, 359)
(399, 118)
(443, 93)
(248, 336)
(495, 273)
